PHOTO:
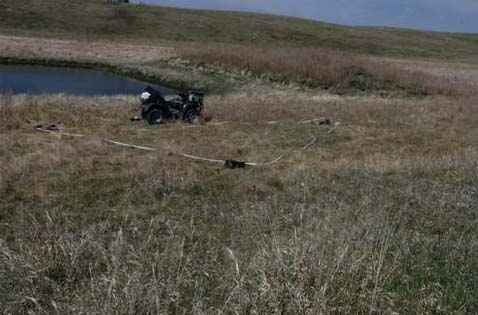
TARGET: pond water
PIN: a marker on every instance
(46, 80)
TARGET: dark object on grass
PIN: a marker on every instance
(186, 106)
(51, 127)
(325, 122)
(232, 164)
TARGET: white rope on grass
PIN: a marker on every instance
(58, 132)
(145, 148)
(266, 164)
(134, 146)
(335, 127)
(201, 158)
(71, 134)
(141, 147)
(224, 161)
(311, 121)
(308, 145)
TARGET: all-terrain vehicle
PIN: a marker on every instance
(155, 109)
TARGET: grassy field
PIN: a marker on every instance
(376, 216)
(95, 20)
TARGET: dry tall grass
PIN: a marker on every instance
(378, 217)
(331, 69)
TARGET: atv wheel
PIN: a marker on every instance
(155, 117)
(192, 117)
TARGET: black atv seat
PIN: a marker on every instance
(155, 95)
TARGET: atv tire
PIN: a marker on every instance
(155, 117)
(192, 116)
